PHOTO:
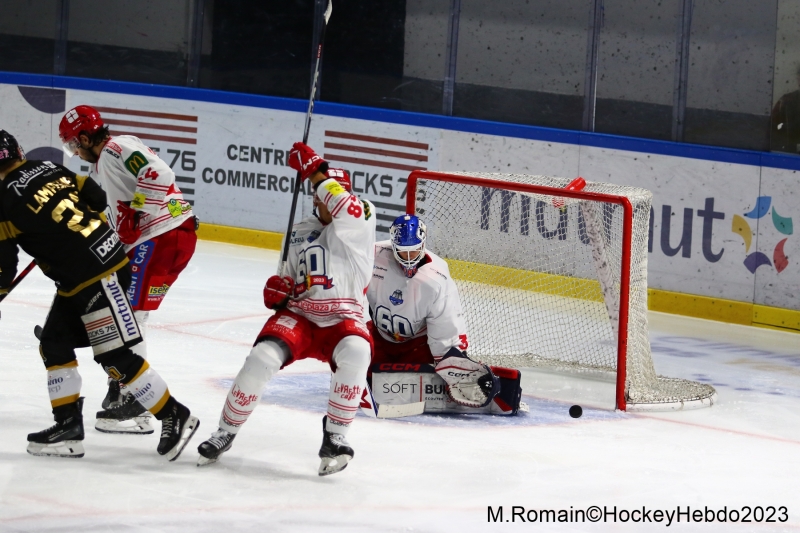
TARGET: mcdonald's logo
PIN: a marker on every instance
(135, 163)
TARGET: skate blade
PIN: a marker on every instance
(189, 429)
(138, 425)
(205, 461)
(72, 449)
(331, 465)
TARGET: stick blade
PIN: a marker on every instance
(328, 11)
(399, 411)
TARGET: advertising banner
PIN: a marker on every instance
(717, 229)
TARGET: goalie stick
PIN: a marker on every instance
(297, 183)
(372, 409)
(20, 277)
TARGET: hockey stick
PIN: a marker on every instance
(399, 411)
(371, 408)
(17, 281)
(297, 183)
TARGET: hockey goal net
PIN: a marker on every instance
(552, 278)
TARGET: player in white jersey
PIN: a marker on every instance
(417, 316)
(153, 221)
(321, 312)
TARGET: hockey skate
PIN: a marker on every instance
(113, 396)
(335, 452)
(176, 429)
(123, 414)
(210, 450)
(64, 439)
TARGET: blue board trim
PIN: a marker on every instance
(597, 140)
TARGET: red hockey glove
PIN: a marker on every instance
(277, 291)
(304, 160)
(128, 223)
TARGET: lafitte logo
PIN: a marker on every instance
(243, 399)
(347, 392)
(783, 225)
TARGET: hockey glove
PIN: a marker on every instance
(128, 223)
(277, 291)
(304, 160)
(468, 382)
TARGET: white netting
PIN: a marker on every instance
(540, 285)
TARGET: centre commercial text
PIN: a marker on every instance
(363, 182)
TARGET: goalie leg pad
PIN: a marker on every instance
(507, 402)
(469, 382)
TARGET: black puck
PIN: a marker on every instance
(575, 411)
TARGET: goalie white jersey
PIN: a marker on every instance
(130, 172)
(332, 264)
(405, 308)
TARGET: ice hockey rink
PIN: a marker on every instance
(422, 474)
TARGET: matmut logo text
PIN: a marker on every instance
(502, 210)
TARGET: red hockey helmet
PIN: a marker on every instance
(80, 119)
(341, 176)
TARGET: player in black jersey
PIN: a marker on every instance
(56, 217)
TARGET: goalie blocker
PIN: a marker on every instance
(412, 383)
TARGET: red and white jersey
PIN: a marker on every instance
(332, 264)
(131, 172)
(405, 308)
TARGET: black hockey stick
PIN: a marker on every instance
(297, 184)
(17, 281)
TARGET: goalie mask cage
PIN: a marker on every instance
(549, 277)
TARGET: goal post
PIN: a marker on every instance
(552, 278)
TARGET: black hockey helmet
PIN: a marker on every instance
(9, 148)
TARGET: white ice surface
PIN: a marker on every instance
(429, 473)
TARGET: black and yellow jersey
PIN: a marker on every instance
(56, 217)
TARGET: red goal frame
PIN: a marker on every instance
(627, 234)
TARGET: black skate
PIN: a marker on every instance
(335, 452)
(113, 396)
(176, 430)
(125, 415)
(210, 450)
(64, 439)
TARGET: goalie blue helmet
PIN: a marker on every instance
(408, 242)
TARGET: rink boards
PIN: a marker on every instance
(721, 225)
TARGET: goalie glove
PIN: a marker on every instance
(468, 382)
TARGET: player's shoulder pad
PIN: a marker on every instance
(436, 268)
(307, 230)
(383, 247)
(131, 152)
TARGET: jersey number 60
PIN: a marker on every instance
(394, 325)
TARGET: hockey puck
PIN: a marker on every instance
(575, 411)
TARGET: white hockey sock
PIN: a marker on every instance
(264, 360)
(141, 319)
(352, 357)
(149, 389)
(64, 384)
